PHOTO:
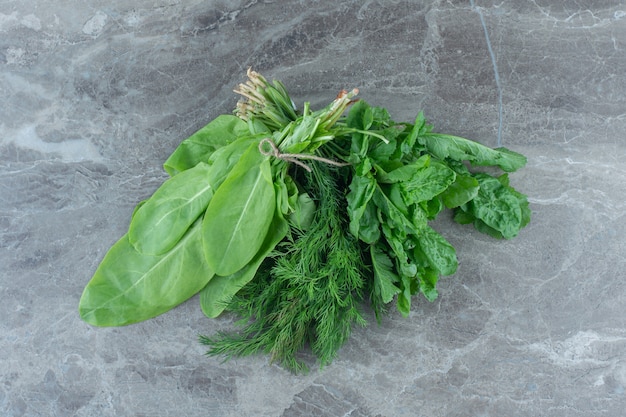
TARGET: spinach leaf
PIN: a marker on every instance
(436, 250)
(428, 283)
(199, 146)
(239, 214)
(463, 189)
(396, 239)
(369, 225)
(361, 192)
(359, 117)
(499, 207)
(165, 217)
(384, 275)
(217, 294)
(427, 182)
(460, 149)
(403, 302)
(403, 172)
(129, 287)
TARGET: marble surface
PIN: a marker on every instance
(95, 95)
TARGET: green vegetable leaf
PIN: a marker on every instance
(129, 287)
(225, 158)
(403, 172)
(384, 275)
(239, 214)
(428, 283)
(360, 117)
(165, 217)
(369, 227)
(404, 297)
(217, 294)
(419, 128)
(436, 250)
(395, 240)
(499, 207)
(460, 149)
(199, 146)
(463, 189)
(304, 212)
(361, 192)
(427, 182)
(396, 217)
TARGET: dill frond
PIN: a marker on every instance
(308, 293)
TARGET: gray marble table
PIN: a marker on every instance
(95, 95)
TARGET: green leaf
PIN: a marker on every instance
(499, 207)
(304, 212)
(199, 146)
(129, 287)
(361, 192)
(404, 297)
(384, 275)
(382, 152)
(427, 182)
(461, 149)
(417, 129)
(403, 172)
(381, 116)
(463, 189)
(239, 214)
(360, 117)
(396, 243)
(439, 253)
(224, 159)
(216, 296)
(369, 227)
(300, 138)
(463, 217)
(165, 217)
(432, 207)
(428, 283)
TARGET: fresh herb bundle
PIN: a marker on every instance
(292, 219)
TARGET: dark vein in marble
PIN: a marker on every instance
(495, 70)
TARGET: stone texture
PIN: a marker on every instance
(95, 95)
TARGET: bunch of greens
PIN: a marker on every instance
(292, 219)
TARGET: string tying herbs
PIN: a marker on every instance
(294, 157)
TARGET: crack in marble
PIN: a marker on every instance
(495, 71)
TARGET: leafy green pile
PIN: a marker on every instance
(292, 219)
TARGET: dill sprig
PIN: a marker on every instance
(308, 293)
